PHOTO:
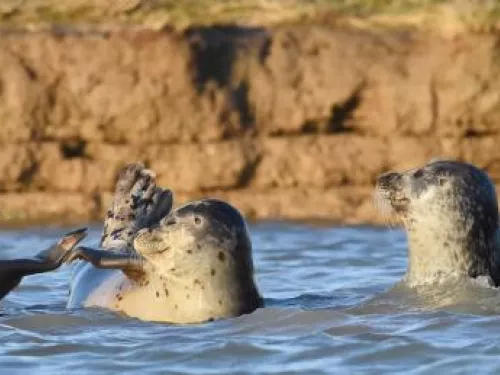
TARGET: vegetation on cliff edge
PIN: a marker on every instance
(436, 14)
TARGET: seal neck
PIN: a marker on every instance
(439, 251)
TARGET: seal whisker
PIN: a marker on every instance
(380, 201)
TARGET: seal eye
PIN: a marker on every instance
(197, 220)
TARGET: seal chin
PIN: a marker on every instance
(390, 193)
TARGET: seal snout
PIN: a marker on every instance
(389, 180)
(390, 191)
(147, 241)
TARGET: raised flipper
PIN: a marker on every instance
(138, 203)
(13, 270)
(130, 263)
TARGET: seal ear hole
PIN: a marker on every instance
(441, 181)
(197, 220)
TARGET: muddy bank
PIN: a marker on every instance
(290, 122)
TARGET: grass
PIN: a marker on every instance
(184, 13)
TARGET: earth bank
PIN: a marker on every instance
(287, 122)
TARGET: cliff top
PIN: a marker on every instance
(441, 15)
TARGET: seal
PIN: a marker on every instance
(189, 265)
(13, 270)
(450, 212)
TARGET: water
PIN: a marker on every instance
(331, 308)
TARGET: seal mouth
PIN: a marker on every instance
(399, 202)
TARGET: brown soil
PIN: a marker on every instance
(288, 122)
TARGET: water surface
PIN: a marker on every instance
(330, 308)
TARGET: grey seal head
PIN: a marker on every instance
(450, 213)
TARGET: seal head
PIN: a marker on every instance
(450, 212)
(201, 253)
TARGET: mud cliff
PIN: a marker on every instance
(291, 122)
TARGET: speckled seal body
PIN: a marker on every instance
(450, 213)
(196, 261)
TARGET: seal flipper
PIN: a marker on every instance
(130, 263)
(13, 270)
(137, 203)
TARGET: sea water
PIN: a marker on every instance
(334, 305)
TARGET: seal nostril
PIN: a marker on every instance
(419, 173)
(170, 221)
(387, 179)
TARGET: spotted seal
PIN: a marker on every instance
(189, 265)
(450, 213)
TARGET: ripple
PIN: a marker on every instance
(333, 305)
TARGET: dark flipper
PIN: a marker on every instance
(12, 271)
(138, 203)
(130, 263)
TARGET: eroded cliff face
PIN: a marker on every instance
(293, 122)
